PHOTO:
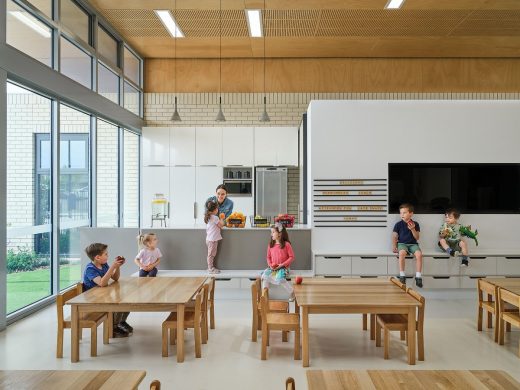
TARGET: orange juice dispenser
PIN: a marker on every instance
(160, 209)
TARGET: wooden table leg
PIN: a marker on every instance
(365, 322)
(305, 343)
(180, 333)
(110, 325)
(411, 335)
(490, 315)
(74, 334)
(372, 326)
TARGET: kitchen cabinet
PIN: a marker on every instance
(182, 146)
(206, 181)
(156, 146)
(276, 146)
(238, 146)
(154, 180)
(208, 147)
(182, 195)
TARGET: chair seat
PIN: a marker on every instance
(189, 319)
(283, 319)
(88, 320)
(512, 318)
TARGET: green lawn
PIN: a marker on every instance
(24, 288)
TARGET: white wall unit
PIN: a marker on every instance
(508, 265)
(276, 146)
(480, 266)
(393, 266)
(440, 265)
(156, 144)
(332, 265)
(182, 146)
(154, 180)
(182, 195)
(441, 282)
(238, 146)
(369, 265)
(207, 180)
(209, 146)
(469, 282)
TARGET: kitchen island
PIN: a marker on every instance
(184, 247)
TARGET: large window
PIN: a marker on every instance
(132, 67)
(28, 34)
(131, 98)
(75, 63)
(28, 197)
(131, 179)
(107, 46)
(107, 160)
(108, 83)
(44, 6)
(75, 19)
(74, 196)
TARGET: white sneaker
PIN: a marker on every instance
(214, 270)
(292, 297)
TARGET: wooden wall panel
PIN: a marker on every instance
(335, 75)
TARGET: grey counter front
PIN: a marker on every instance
(184, 248)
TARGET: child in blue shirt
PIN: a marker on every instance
(404, 241)
(98, 273)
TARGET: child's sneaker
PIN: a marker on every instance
(292, 297)
(418, 282)
(464, 263)
(452, 252)
(214, 270)
(402, 279)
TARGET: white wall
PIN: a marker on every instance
(357, 139)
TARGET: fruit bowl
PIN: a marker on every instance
(259, 221)
(236, 220)
(285, 219)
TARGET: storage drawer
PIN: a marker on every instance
(332, 265)
(227, 283)
(441, 265)
(480, 266)
(469, 282)
(393, 265)
(439, 282)
(369, 265)
(508, 266)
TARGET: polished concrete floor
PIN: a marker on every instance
(231, 361)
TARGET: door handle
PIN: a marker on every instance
(194, 210)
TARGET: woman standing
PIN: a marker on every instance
(225, 205)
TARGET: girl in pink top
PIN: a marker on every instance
(280, 255)
(213, 236)
(149, 255)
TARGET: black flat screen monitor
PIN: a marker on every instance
(471, 188)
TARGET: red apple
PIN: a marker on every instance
(299, 280)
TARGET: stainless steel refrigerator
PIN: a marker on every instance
(271, 191)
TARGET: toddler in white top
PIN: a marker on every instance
(149, 255)
(213, 227)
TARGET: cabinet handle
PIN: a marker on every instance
(332, 276)
(477, 277)
(194, 210)
(512, 257)
(207, 165)
(155, 165)
(368, 276)
(478, 257)
(440, 257)
(222, 279)
(183, 165)
(332, 257)
(369, 257)
(235, 165)
(442, 277)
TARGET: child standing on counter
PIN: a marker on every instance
(149, 255)
(213, 236)
(280, 255)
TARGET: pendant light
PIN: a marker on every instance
(220, 116)
(264, 117)
(175, 117)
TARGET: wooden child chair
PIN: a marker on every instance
(88, 321)
(289, 384)
(278, 321)
(274, 306)
(490, 306)
(399, 322)
(211, 303)
(513, 318)
(192, 319)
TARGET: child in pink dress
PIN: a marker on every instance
(280, 255)
(213, 236)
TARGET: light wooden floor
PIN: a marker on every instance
(231, 359)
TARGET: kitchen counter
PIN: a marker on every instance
(184, 247)
(247, 227)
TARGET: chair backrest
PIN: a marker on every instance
(255, 294)
(264, 303)
(211, 296)
(66, 295)
(485, 287)
(198, 302)
(508, 296)
(395, 281)
(155, 385)
(205, 295)
(289, 384)
(422, 302)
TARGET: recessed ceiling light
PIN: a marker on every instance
(393, 4)
(169, 22)
(254, 22)
(30, 22)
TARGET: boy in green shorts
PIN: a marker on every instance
(404, 241)
(450, 238)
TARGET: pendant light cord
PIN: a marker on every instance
(220, 53)
(175, 50)
(263, 26)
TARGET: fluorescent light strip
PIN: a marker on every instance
(28, 21)
(394, 4)
(254, 22)
(169, 23)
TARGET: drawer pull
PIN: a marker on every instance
(478, 257)
(440, 257)
(369, 257)
(332, 257)
(223, 279)
(332, 276)
(476, 277)
(442, 277)
(513, 257)
(368, 276)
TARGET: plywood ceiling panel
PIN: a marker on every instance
(311, 28)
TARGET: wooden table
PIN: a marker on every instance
(76, 380)
(356, 297)
(511, 284)
(132, 295)
(411, 379)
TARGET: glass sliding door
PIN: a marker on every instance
(74, 196)
(107, 171)
(28, 197)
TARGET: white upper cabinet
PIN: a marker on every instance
(238, 146)
(276, 146)
(209, 146)
(156, 146)
(182, 146)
